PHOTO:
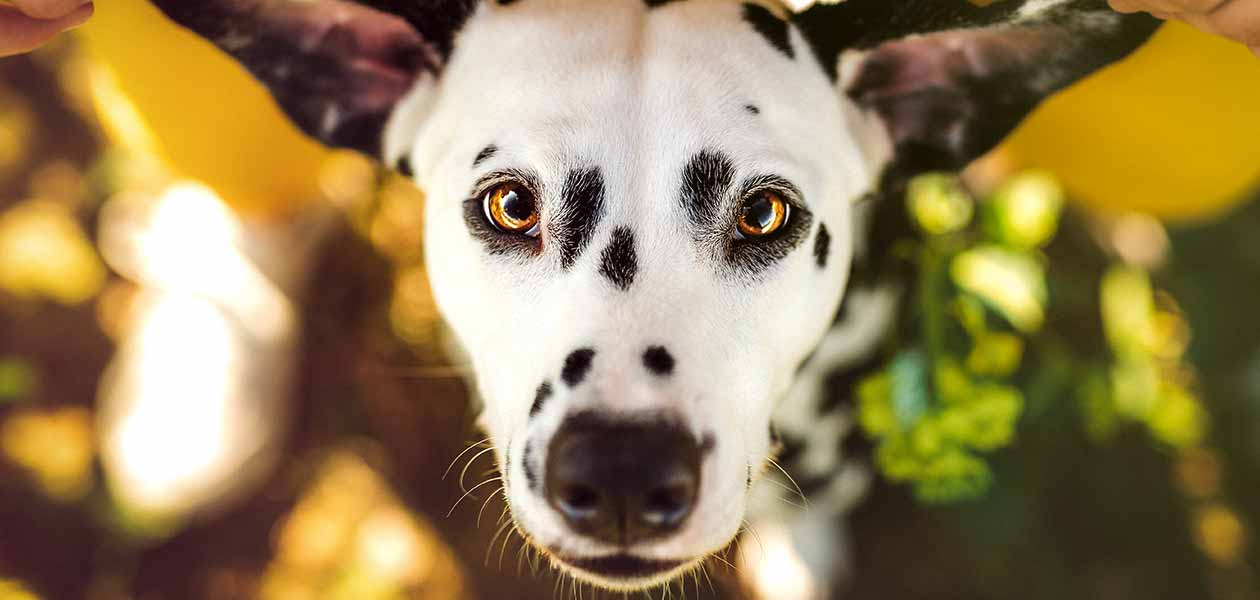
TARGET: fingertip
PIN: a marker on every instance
(79, 16)
(47, 10)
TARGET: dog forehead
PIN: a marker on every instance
(593, 82)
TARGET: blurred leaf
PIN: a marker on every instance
(1024, 211)
(953, 476)
(1178, 419)
(996, 354)
(938, 203)
(17, 380)
(1127, 310)
(44, 252)
(909, 387)
(1011, 282)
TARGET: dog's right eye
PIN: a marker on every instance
(512, 209)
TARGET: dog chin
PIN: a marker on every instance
(624, 572)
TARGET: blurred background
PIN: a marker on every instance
(222, 375)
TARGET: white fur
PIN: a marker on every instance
(558, 85)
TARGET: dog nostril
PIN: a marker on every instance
(622, 483)
(668, 506)
(579, 501)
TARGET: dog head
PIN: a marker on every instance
(638, 213)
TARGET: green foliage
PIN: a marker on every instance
(980, 343)
(17, 380)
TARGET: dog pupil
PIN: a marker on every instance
(517, 206)
(759, 214)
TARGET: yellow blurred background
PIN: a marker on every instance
(1172, 131)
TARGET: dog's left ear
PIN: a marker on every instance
(337, 67)
(948, 79)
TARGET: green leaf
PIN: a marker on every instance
(938, 204)
(909, 388)
(17, 380)
(1011, 282)
(1024, 212)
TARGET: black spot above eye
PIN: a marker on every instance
(581, 208)
(705, 181)
(489, 151)
(752, 109)
(576, 366)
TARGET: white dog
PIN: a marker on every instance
(640, 215)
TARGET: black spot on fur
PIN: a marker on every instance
(619, 264)
(708, 443)
(656, 3)
(527, 461)
(770, 26)
(576, 366)
(705, 182)
(658, 360)
(822, 246)
(403, 166)
(752, 109)
(857, 447)
(486, 154)
(840, 387)
(581, 207)
(540, 398)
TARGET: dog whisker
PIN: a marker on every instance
(776, 465)
(463, 473)
(788, 500)
(486, 503)
(469, 493)
(462, 453)
(490, 547)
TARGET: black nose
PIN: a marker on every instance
(619, 482)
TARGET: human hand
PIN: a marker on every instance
(1238, 20)
(26, 24)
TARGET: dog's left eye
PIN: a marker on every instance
(762, 214)
(512, 209)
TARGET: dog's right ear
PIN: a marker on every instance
(336, 67)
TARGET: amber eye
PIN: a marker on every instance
(512, 209)
(762, 214)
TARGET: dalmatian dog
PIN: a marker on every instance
(642, 216)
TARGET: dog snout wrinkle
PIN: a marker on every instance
(622, 483)
(576, 366)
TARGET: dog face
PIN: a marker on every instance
(638, 213)
(683, 242)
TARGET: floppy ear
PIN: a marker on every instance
(948, 79)
(337, 67)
